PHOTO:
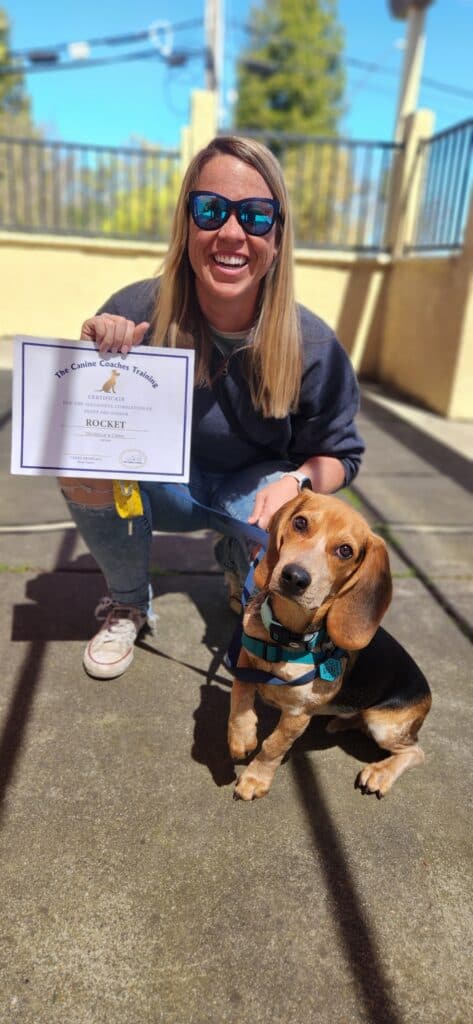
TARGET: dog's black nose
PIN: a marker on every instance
(294, 579)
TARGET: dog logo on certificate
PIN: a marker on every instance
(110, 384)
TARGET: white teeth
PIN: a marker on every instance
(231, 261)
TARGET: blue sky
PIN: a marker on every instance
(146, 100)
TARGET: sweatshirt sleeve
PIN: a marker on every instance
(135, 302)
(324, 423)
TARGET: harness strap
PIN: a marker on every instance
(276, 652)
(258, 675)
(326, 665)
(286, 637)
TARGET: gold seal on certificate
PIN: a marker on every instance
(79, 412)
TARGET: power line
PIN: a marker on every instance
(265, 68)
(176, 59)
(47, 58)
(454, 90)
(372, 66)
(129, 37)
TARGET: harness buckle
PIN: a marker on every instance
(279, 633)
(284, 636)
(273, 652)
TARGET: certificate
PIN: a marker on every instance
(79, 412)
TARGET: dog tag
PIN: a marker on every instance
(330, 669)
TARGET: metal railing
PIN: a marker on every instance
(446, 186)
(66, 188)
(339, 189)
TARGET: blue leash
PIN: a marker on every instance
(240, 528)
(245, 531)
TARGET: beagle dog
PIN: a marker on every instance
(312, 645)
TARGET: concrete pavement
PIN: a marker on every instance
(134, 889)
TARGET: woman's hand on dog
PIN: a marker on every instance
(327, 475)
(270, 498)
(113, 333)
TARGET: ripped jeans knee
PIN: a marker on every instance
(89, 493)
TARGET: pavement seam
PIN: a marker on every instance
(403, 527)
(384, 529)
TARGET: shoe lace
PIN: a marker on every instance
(122, 629)
(107, 609)
(103, 608)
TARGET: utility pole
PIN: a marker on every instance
(415, 11)
(214, 46)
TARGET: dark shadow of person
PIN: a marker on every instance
(63, 604)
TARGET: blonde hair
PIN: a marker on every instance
(274, 358)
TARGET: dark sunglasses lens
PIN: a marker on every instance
(209, 212)
(257, 217)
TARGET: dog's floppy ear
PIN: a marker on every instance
(356, 612)
(264, 569)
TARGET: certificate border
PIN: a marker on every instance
(117, 473)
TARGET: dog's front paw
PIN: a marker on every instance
(254, 782)
(376, 778)
(241, 742)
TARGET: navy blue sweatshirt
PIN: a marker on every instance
(229, 434)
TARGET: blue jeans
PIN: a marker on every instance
(124, 558)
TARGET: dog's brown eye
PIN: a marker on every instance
(344, 551)
(299, 523)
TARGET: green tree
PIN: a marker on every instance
(144, 197)
(15, 114)
(290, 77)
(291, 82)
(20, 180)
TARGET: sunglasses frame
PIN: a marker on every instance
(234, 206)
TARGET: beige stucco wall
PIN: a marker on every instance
(426, 349)
(461, 399)
(427, 345)
(51, 284)
(349, 293)
(408, 323)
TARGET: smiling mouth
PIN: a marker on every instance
(230, 261)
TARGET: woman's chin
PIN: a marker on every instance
(232, 287)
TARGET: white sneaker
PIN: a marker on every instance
(111, 650)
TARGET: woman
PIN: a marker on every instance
(275, 395)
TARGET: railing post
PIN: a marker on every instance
(203, 124)
(406, 186)
(468, 236)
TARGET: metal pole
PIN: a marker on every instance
(412, 69)
(214, 48)
(214, 44)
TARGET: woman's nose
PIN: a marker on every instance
(232, 228)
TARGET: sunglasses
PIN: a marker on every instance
(210, 211)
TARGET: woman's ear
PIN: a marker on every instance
(356, 612)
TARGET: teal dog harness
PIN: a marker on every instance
(314, 649)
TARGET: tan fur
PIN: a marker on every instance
(351, 595)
